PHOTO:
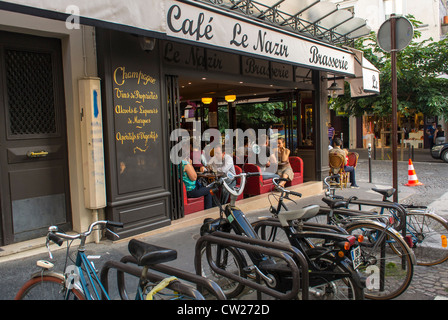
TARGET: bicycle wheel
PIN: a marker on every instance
(228, 259)
(270, 233)
(428, 233)
(386, 260)
(47, 287)
(339, 289)
(345, 288)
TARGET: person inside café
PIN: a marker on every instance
(284, 169)
(338, 150)
(222, 163)
(194, 189)
(266, 157)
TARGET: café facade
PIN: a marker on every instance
(90, 92)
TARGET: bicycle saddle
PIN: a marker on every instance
(385, 192)
(149, 254)
(300, 214)
(335, 203)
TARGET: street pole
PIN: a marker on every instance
(369, 149)
(393, 57)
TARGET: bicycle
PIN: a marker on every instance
(425, 231)
(80, 281)
(384, 250)
(331, 275)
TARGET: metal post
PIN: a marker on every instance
(369, 149)
(393, 57)
(374, 148)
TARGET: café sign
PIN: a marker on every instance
(202, 26)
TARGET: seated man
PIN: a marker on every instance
(223, 163)
(337, 149)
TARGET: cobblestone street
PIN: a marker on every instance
(429, 281)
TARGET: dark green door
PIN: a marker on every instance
(34, 190)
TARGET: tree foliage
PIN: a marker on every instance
(421, 86)
(252, 115)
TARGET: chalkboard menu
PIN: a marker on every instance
(137, 117)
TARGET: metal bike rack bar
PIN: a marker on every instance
(205, 283)
(351, 213)
(128, 265)
(383, 204)
(307, 226)
(287, 253)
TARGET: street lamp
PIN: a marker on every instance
(334, 89)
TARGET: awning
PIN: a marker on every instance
(303, 33)
(367, 77)
(322, 20)
(287, 31)
(366, 81)
(143, 15)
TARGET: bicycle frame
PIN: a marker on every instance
(92, 278)
(241, 226)
(400, 211)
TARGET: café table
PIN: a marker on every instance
(210, 176)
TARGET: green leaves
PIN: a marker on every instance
(420, 85)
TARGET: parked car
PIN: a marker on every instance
(440, 151)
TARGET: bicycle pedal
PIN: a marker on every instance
(44, 264)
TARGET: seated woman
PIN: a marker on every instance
(439, 135)
(194, 190)
(284, 168)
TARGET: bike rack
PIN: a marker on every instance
(372, 203)
(123, 267)
(388, 205)
(306, 226)
(285, 252)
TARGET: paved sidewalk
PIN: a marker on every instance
(429, 283)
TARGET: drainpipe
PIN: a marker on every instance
(96, 234)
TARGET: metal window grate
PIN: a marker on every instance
(30, 89)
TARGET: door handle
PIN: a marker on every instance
(36, 154)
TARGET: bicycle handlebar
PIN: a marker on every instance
(277, 180)
(334, 176)
(59, 237)
(243, 176)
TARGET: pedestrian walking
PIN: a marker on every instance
(331, 133)
(430, 132)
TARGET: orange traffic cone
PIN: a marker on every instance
(412, 176)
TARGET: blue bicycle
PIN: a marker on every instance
(81, 281)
